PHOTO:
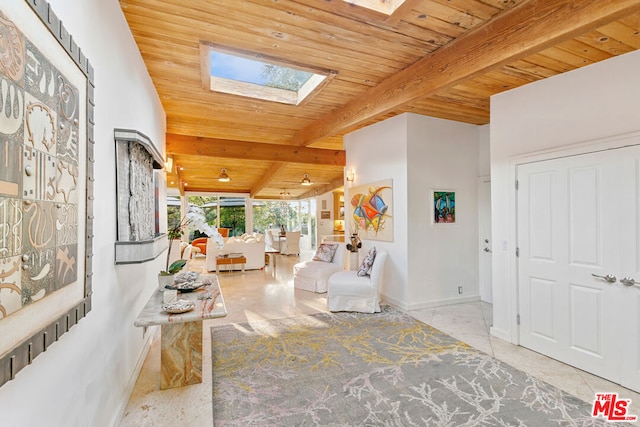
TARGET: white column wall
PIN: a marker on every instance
(576, 110)
(85, 378)
(426, 263)
(442, 155)
(376, 153)
(248, 215)
(484, 151)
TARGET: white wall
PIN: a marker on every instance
(375, 153)
(442, 155)
(484, 151)
(84, 379)
(324, 227)
(426, 263)
(589, 104)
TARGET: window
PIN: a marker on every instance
(232, 215)
(256, 76)
(293, 214)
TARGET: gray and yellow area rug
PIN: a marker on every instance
(385, 369)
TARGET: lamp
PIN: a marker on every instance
(350, 175)
(168, 165)
(306, 181)
(223, 177)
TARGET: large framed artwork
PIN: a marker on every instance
(371, 210)
(46, 191)
(443, 207)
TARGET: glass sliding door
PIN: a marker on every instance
(232, 215)
(292, 214)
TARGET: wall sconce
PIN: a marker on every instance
(350, 175)
(306, 181)
(168, 165)
(223, 177)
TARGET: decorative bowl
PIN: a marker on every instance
(185, 287)
(180, 306)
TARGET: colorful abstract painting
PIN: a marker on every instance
(371, 210)
(444, 207)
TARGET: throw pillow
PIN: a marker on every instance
(367, 262)
(250, 240)
(325, 252)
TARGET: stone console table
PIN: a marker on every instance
(181, 334)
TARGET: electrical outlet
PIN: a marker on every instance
(460, 289)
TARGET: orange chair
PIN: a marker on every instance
(224, 232)
(200, 243)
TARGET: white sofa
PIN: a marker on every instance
(314, 275)
(251, 246)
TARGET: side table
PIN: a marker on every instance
(181, 334)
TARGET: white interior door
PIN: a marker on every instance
(577, 217)
(629, 245)
(484, 244)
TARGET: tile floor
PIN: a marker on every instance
(265, 294)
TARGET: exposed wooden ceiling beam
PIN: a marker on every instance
(193, 190)
(266, 178)
(213, 147)
(527, 28)
(180, 182)
(338, 182)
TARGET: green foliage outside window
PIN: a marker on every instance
(268, 215)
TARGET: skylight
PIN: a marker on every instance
(257, 72)
(254, 76)
(383, 6)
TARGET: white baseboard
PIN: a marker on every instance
(395, 303)
(499, 333)
(430, 304)
(150, 332)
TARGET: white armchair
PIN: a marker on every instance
(291, 244)
(272, 239)
(314, 275)
(349, 292)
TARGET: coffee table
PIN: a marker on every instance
(272, 256)
(220, 260)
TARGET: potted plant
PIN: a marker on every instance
(194, 219)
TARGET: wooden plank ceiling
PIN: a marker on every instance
(441, 58)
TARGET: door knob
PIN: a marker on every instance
(608, 278)
(487, 250)
(628, 281)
